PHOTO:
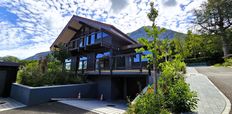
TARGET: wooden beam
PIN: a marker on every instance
(72, 28)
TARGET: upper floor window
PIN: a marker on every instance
(92, 39)
(99, 35)
(86, 40)
(104, 35)
(81, 42)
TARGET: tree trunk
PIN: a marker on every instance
(225, 46)
(155, 78)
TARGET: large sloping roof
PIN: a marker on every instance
(76, 23)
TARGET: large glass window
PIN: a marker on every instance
(83, 63)
(104, 63)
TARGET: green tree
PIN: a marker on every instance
(61, 53)
(215, 17)
(204, 45)
(194, 44)
(152, 46)
(9, 59)
(178, 46)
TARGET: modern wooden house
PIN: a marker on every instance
(105, 55)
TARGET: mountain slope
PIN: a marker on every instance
(140, 33)
(38, 55)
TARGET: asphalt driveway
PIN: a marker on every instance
(221, 77)
(48, 108)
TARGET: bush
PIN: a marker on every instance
(177, 94)
(228, 62)
(179, 98)
(31, 75)
(173, 95)
(148, 103)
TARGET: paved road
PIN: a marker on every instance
(221, 77)
(48, 108)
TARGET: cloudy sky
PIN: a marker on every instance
(30, 26)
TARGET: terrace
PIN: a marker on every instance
(127, 64)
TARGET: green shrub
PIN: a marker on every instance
(177, 94)
(148, 103)
(180, 98)
(174, 94)
(228, 62)
(31, 75)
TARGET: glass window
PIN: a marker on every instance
(99, 56)
(83, 58)
(86, 40)
(99, 35)
(104, 35)
(80, 65)
(107, 54)
(81, 42)
(83, 63)
(92, 38)
(68, 64)
(68, 60)
(136, 58)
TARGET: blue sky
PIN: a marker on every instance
(30, 26)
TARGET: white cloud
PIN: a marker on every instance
(40, 22)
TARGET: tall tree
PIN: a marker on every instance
(215, 17)
(154, 45)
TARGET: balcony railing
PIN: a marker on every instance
(118, 64)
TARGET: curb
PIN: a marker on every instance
(227, 108)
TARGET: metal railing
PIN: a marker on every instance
(120, 63)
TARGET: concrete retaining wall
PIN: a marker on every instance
(37, 95)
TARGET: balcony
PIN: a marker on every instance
(96, 38)
(118, 65)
